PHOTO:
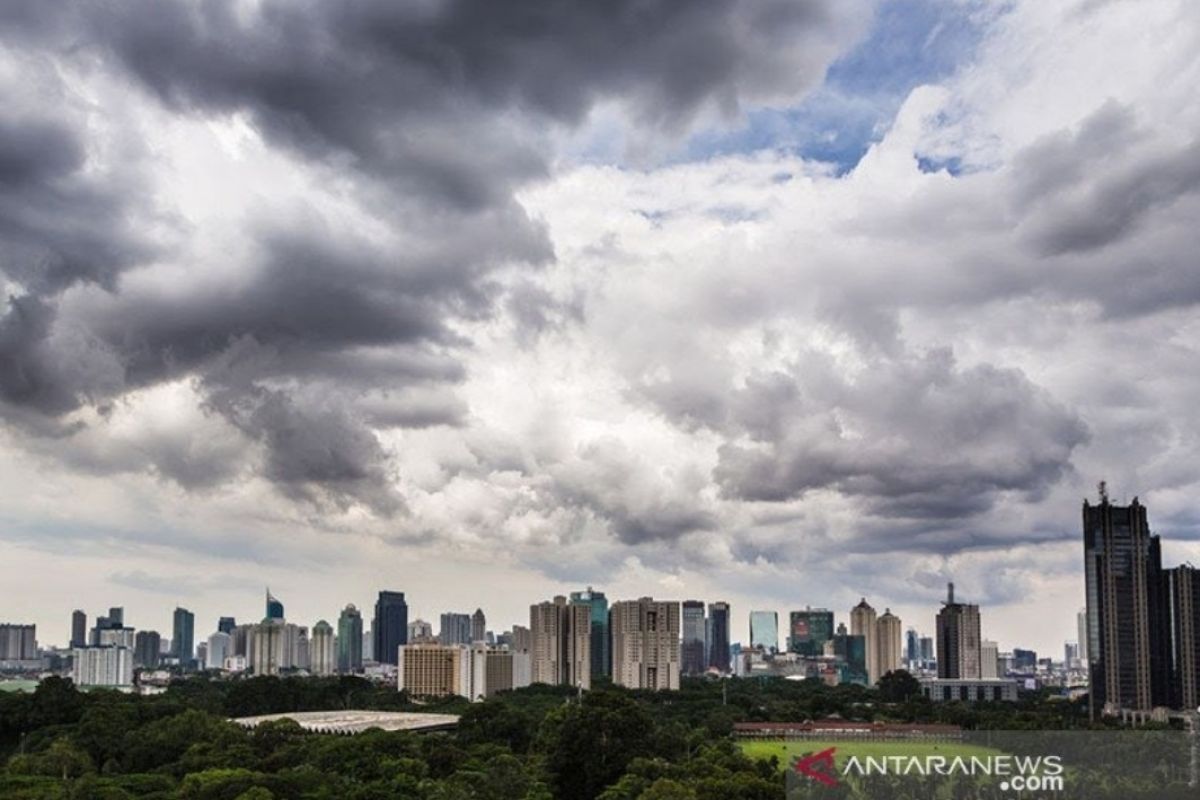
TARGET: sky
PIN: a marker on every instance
(776, 302)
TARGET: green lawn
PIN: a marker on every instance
(863, 749)
(18, 686)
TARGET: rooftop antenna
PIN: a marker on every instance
(1103, 491)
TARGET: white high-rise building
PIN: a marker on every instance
(266, 647)
(989, 659)
(219, 645)
(645, 643)
(102, 665)
(322, 652)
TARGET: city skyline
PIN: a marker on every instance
(777, 304)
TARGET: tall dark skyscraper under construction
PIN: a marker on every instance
(1127, 626)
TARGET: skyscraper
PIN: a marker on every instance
(958, 639)
(183, 635)
(274, 607)
(912, 648)
(764, 630)
(267, 650)
(390, 627)
(1183, 603)
(810, 629)
(455, 629)
(322, 654)
(862, 623)
(78, 628)
(561, 643)
(18, 642)
(989, 659)
(646, 643)
(1128, 631)
(890, 655)
(218, 649)
(226, 625)
(718, 636)
(478, 626)
(852, 650)
(598, 603)
(349, 641)
(147, 649)
(419, 631)
(694, 644)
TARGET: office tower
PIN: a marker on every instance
(764, 631)
(218, 650)
(494, 670)
(78, 628)
(295, 646)
(1070, 655)
(390, 627)
(1128, 634)
(1081, 625)
(183, 636)
(266, 650)
(274, 607)
(434, 670)
(18, 642)
(1024, 660)
(349, 641)
(601, 654)
(809, 630)
(645, 642)
(694, 642)
(419, 631)
(958, 639)
(107, 665)
(322, 656)
(852, 650)
(455, 629)
(147, 649)
(862, 623)
(561, 643)
(368, 645)
(1183, 612)
(478, 626)
(927, 652)
(888, 640)
(989, 659)
(114, 619)
(912, 648)
(718, 640)
(226, 625)
(121, 637)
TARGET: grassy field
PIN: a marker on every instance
(17, 686)
(863, 749)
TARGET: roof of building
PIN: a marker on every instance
(349, 722)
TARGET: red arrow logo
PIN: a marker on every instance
(807, 766)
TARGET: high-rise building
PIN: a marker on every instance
(390, 628)
(78, 628)
(420, 632)
(107, 665)
(809, 630)
(890, 654)
(561, 643)
(266, 649)
(927, 651)
(1128, 631)
(989, 660)
(495, 670)
(349, 641)
(862, 623)
(147, 649)
(718, 636)
(455, 629)
(434, 670)
(218, 650)
(764, 631)
(322, 652)
(958, 639)
(694, 642)
(646, 643)
(522, 638)
(226, 625)
(1024, 660)
(478, 626)
(18, 642)
(1183, 605)
(274, 607)
(598, 603)
(852, 650)
(912, 648)
(120, 636)
(183, 636)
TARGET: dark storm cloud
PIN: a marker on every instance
(912, 438)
